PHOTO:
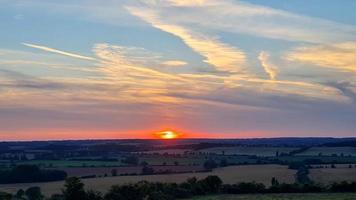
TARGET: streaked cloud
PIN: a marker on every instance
(222, 56)
(48, 49)
(269, 68)
(337, 56)
(248, 18)
(178, 63)
(174, 63)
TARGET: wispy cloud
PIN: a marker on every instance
(174, 63)
(269, 68)
(336, 56)
(222, 56)
(248, 18)
(52, 50)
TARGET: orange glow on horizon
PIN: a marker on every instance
(168, 135)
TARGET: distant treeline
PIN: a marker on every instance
(29, 174)
(341, 144)
(74, 190)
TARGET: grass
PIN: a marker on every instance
(232, 174)
(333, 196)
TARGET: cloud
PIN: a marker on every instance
(242, 17)
(269, 68)
(48, 49)
(341, 56)
(222, 56)
(174, 63)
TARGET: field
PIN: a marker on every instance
(323, 159)
(328, 175)
(72, 163)
(102, 171)
(339, 196)
(252, 151)
(232, 174)
(329, 151)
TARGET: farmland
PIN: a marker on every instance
(232, 174)
(329, 175)
(329, 151)
(252, 151)
(101, 164)
(342, 196)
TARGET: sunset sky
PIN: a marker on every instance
(204, 68)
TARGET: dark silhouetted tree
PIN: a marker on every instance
(73, 189)
(34, 193)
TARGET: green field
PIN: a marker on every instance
(334, 196)
(329, 151)
(70, 163)
(252, 151)
(324, 159)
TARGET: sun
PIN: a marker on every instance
(168, 135)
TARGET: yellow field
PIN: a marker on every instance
(329, 175)
(232, 174)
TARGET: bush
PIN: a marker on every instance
(343, 187)
(211, 184)
(131, 160)
(147, 170)
(5, 196)
(210, 164)
(94, 195)
(34, 193)
(124, 192)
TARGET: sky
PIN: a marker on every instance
(89, 69)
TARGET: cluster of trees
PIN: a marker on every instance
(30, 173)
(211, 164)
(74, 190)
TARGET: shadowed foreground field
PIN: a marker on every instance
(338, 196)
(232, 174)
(329, 175)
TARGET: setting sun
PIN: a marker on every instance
(168, 134)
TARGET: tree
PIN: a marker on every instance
(20, 193)
(94, 195)
(146, 170)
(274, 182)
(5, 196)
(210, 164)
(131, 160)
(114, 172)
(211, 183)
(74, 189)
(144, 163)
(223, 162)
(124, 192)
(34, 193)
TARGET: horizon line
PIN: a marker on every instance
(197, 138)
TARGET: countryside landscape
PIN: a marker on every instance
(320, 163)
(177, 100)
